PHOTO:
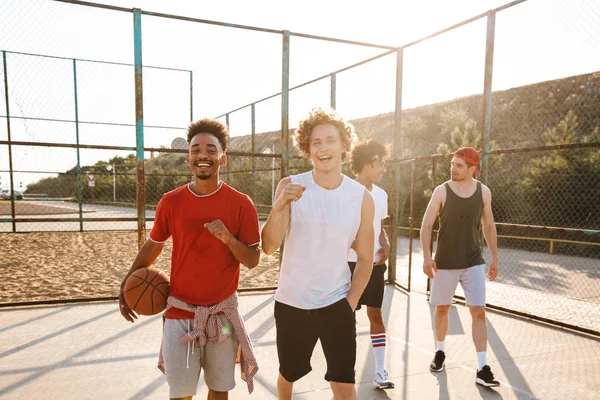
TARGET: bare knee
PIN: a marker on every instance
(343, 391)
(477, 313)
(442, 310)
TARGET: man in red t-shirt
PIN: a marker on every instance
(214, 229)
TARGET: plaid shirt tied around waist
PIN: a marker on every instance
(207, 330)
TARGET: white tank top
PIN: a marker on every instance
(323, 224)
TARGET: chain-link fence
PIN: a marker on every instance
(91, 137)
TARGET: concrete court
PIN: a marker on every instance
(88, 351)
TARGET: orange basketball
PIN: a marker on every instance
(146, 291)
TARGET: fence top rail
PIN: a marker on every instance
(230, 153)
(313, 81)
(549, 228)
(392, 49)
(225, 24)
(589, 232)
(546, 148)
(91, 122)
(133, 148)
(569, 146)
(465, 22)
(298, 34)
(91, 61)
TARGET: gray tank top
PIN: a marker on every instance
(459, 238)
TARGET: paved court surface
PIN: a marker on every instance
(555, 287)
(89, 352)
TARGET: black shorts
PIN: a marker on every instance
(373, 294)
(297, 334)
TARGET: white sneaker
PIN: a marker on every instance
(382, 381)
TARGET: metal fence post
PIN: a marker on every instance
(10, 163)
(79, 183)
(333, 90)
(191, 96)
(285, 105)
(253, 142)
(433, 186)
(411, 223)
(487, 94)
(139, 127)
(396, 154)
(229, 160)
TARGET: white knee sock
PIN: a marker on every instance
(481, 359)
(379, 343)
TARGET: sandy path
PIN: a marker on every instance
(28, 208)
(66, 265)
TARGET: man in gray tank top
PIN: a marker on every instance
(464, 207)
(321, 213)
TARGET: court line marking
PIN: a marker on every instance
(367, 329)
(502, 383)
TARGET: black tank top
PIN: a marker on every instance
(459, 238)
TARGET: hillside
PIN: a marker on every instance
(519, 117)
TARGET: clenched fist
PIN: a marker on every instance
(219, 230)
(292, 192)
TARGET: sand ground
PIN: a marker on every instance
(40, 266)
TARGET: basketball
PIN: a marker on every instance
(146, 291)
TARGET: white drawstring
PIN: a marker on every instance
(192, 341)
(187, 361)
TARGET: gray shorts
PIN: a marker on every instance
(445, 281)
(182, 368)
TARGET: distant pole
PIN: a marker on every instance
(267, 150)
(273, 178)
(114, 171)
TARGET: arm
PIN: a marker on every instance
(384, 252)
(364, 251)
(433, 208)
(278, 221)
(489, 232)
(145, 257)
(247, 255)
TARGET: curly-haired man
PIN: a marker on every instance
(322, 213)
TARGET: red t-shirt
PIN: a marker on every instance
(203, 269)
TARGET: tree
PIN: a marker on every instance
(562, 188)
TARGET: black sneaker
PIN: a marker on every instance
(485, 377)
(437, 364)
